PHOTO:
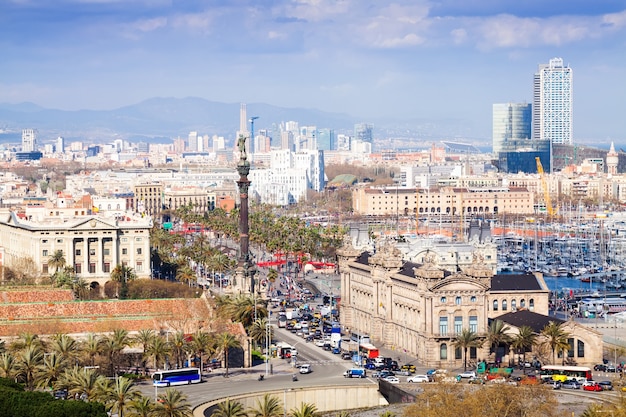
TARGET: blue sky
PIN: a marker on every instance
(448, 59)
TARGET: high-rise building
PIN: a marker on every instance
(552, 103)
(511, 126)
(363, 132)
(192, 142)
(326, 139)
(29, 140)
(59, 147)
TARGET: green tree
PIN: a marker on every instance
(119, 395)
(227, 341)
(258, 332)
(269, 406)
(144, 337)
(556, 338)
(56, 260)
(229, 408)
(91, 347)
(158, 349)
(465, 340)
(140, 407)
(524, 341)
(8, 365)
(200, 345)
(49, 371)
(122, 275)
(65, 346)
(497, 334)
(305, 410)
(179, 346)
(29, 360)
(172, 403)
(113, 344)
(83, 383)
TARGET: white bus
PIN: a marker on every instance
(176, 377)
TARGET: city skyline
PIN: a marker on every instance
(417, 60)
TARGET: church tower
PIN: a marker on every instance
(612, 159)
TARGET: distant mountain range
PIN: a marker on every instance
(160, 119)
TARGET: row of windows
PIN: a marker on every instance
(458, 299)
(522, 304)
(458, 352)
(92, 252)
(458, 325)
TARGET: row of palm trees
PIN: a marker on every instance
(552, 335)
(39, 363)
(268, 406)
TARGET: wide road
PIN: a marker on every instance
(327, 370)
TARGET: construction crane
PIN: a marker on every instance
(544, 186)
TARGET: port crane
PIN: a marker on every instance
(544, 186)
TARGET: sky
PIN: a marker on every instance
(447, 59)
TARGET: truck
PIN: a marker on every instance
(355, 373)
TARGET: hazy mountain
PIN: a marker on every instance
(160, 119)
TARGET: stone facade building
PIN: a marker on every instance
(92, 244)
(421, 308)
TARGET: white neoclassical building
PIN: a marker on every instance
(92, 244)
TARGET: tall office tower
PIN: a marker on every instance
(552, 103)
(192, 142)
(179, 146)
(286, 140)
(511, 126)
(326, 139)
(363, 132)
(59, 146)
(292, 127)
(29, 140)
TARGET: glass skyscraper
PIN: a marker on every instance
(511, 126)
(552, 103)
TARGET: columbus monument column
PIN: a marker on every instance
(245, 270)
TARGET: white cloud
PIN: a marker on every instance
(410, 39)
(148, 25)
(459, 36)
(615, 20)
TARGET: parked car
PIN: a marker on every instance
(606, 385)
(346, 356)
(418, 378)
(611, 368)
(591, 386)
(570, 384)
(392, 379)
(408, 367)
(599, 367)
(468, 374)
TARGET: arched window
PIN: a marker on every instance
(531, 304)
(443, 351)
(458, 353)
(581, 349)
(522, 303)
(457, 301)
(495, 305)
(443, 300)
(504, 305)
(513, 304)
(473, 299)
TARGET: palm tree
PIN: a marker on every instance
(186, 275)
(179, 345)
(172, 403)
(144, 337)
(121, 274)
(226, 341)
(158, 349)
(8, 365)
(258, 332)
(49, 371)
(270, 406)
(56, 260)
(524, 341)
(497, 334)
(140, 407)
(200, 344)
(113, 345)
(556, 338)
(28, 363)
(81, 383)
(25, 340)
(91, 347)
(465, 340)
(229, 408)
(65, 346)
(305, 410)
(118, 396)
